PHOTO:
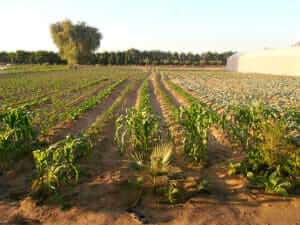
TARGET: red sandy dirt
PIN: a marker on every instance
(103, 194)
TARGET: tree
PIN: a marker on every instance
(4, 57)
(75, 41)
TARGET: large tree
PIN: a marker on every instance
(75, 41)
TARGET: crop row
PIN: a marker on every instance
(57, 164)
(73, 112)
(224, 88)
(63, 94)
(20, 88)
(263, 133)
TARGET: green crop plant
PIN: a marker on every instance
(137, 131)
(180, 91)
(273, 184)
(245, 122)
(273, 154)
(292, 119)
(204, 186)
(101, 120)
(93, 101)
(173, 192)
(156, 164)
(195, 123)
(17, 134)
(57, 164)
(160, 160)
(73, 113)
(145, 96)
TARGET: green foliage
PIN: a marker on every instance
(145, 96)
(137, 182)
(73, 113)
(156, 164)
(160, 159)
(195, 123)
(32, 69)
(91, 102)
(234, 168)
(17, 134)
(174, 193)
(181, 92)
(109, 113)
(75, 40)
(203, 186)
(272, 160)
(292, 119)
(245, 122)
(56, 165)
(137, 131)
(128, 57)
(272, 184)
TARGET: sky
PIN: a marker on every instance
(170, 25)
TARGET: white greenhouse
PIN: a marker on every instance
(271, 61)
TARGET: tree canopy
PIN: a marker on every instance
(75, 40)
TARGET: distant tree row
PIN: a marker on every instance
(26, 57)
(129, 57)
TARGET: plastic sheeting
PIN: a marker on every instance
(271, 61)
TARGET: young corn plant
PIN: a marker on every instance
(17, 135)
(195, 123)
(157, 163)
(57, 164)
(145, 96)
(137, 132)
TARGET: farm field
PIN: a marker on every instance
(159, 146)
(223, 88)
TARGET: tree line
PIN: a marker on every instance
(77, 44)
(30, 57)
(129, 57)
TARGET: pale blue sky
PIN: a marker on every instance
(170, 25)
